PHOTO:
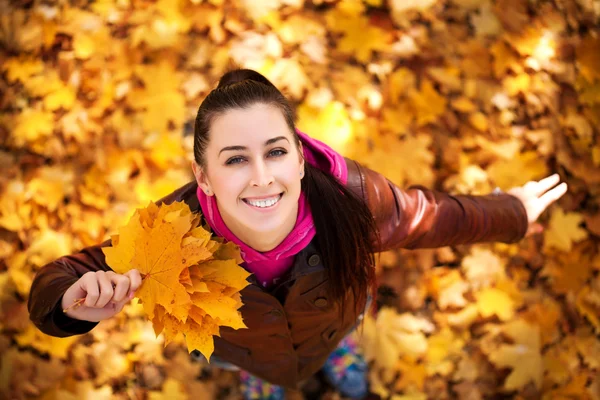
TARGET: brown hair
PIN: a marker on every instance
(345, 226)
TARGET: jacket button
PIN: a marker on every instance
(321, 302)
(314, 260)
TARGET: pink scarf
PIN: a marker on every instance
(270, 265)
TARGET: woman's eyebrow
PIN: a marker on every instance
(240, 148)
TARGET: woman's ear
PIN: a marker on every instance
(301, 154)
(201, 179)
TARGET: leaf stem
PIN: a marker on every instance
(75, 305)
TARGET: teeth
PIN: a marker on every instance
(263, 203)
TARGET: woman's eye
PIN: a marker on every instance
(277, 152)
(234, 160)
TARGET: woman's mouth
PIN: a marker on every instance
(264, 203)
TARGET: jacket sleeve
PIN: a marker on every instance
(421, 218)
(52, 281)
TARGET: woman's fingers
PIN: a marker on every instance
(121, 284)
(135, 279)
(106, 289)
(551, 196)
(540, 187)
(89, 284)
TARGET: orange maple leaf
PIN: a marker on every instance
(160, 252)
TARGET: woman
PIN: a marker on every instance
(308, 222)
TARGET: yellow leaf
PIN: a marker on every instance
(361, 39)
(200, 336)
(569, 272)
(505, 59)
(408, 160)
(392, 335)
(55, 346)
(330, 124)
(427, 103)
(479, 121)
(517, 84)
(400, 82)
(519, 170)
(171, 390)
(563, 230)
(219, 307)
(523, 357)
(483, 268)
(20, 69)
(397, 120)
(442, 347)
(159, 256)
(83, 46)
(463, 104)
(63, 98)
(224, 272)
(161, 100)
(32, 125)
(491, 301)
(412, 375)
(588, 305)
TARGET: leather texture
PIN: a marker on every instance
(294, 326)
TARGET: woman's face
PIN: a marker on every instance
(253, 168)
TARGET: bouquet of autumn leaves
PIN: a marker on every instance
(190, 281)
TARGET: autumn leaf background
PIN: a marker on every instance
(97, 105)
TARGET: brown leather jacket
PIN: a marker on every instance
(293, 327)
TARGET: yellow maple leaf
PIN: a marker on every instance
(568, 272)
(523, 357)
(157, 252)
(442, 347)
(448, 288)
(63, 97)
(427, 103)
(331, 124)
(483, 267)
(397, 120)
(563, 230)
(491, 301)
(224, 272)
(408, 160)
(190, 283)
(412, 375)
(171, 390)
(21, 68)
(588, 305)
(392, 335)
(32, 125)
(518, 170)
(361, 38)
(161, 99)
(55, 346)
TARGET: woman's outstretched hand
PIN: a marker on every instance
(536, 196)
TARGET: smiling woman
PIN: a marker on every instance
(307, 222)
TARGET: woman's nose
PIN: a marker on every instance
(261, 175)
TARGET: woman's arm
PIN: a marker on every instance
(52, 281)
(423, 218)
(50, 284)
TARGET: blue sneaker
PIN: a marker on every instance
(254, 388)
(346, 369)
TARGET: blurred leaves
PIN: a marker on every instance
(97, 108)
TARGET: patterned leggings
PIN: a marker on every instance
(345, 358)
